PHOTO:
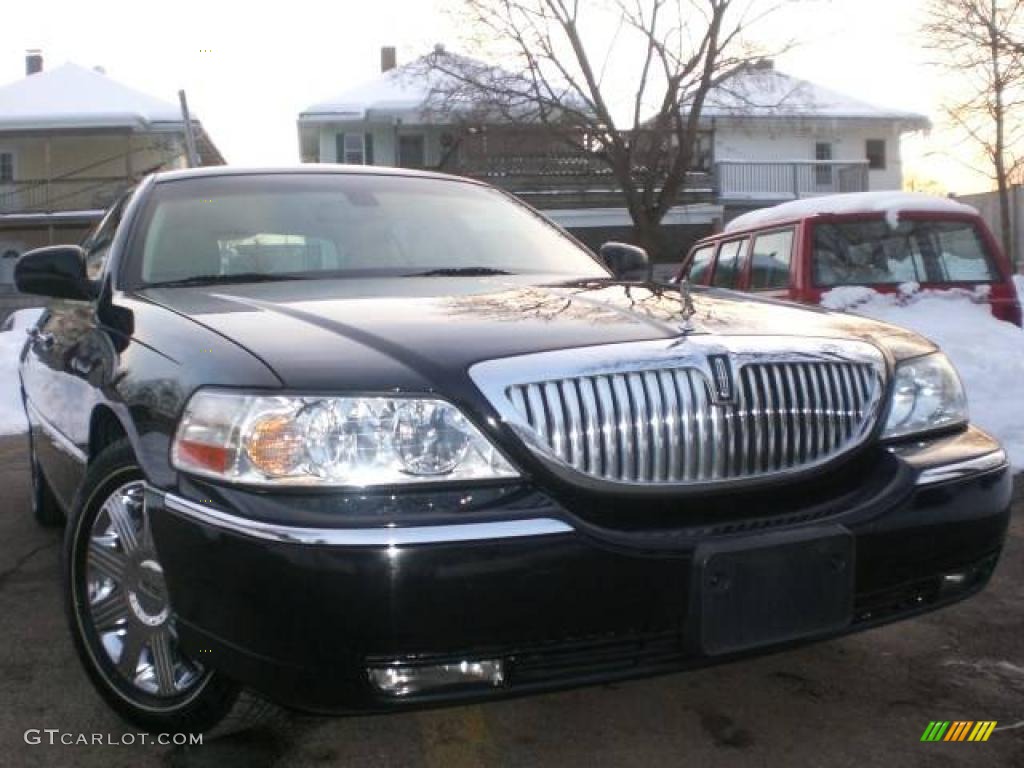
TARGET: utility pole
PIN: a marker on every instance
(190, 137)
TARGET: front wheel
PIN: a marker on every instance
(121, 619)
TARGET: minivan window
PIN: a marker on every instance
(874, 253)
(730, 258)
(769, 262)
(700, 265)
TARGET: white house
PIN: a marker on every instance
(390, 120)
(71, 141)
(776, 137)
(765, 137)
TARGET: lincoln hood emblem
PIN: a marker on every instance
(686, 302)
(722, 373)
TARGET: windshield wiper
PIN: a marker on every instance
(238, 277)
(459, 272)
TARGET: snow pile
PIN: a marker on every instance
(988, 353)
(21, 319)
(889, 203)
(12, 412)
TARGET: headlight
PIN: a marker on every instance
(927, 395)
(332, 441)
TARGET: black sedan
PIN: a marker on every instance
(363, 440)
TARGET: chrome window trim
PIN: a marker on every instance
(362, 537)
(494, 378)
(959, 470)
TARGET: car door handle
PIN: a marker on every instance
(44, 340)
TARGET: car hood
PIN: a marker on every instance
(416, 332)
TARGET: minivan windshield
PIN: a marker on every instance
(872, 252)
(248, 228)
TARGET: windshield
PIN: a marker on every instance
(873, 253)
(281, 226)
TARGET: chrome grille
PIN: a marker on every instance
(663, 425)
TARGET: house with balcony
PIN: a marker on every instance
(775, 137)
(72, 140)
(765, 138)
(393, 120)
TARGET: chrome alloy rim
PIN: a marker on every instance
(126, 599)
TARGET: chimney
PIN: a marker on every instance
(766, 65)
(388, 58)
(33, 61)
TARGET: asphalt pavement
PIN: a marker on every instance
(859, 701)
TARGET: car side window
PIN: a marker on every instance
(730, 259)
(97, 243)
(770, 260)
(700, 265)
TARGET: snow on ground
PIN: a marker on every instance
(12, 413)
(988, 353)
(12, 338)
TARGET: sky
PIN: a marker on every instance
(250, 68)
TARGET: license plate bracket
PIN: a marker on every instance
(775, 588)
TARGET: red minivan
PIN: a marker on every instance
(800, 250)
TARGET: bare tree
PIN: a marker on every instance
(555, 56)
(979, 42)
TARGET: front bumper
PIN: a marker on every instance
(300, 611)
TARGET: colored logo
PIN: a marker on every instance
(958, 730)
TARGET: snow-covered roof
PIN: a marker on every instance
(70, 96)
(396, 92)
(424, 90)
(890, 203)
(764, 92)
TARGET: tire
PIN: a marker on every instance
(45, 507)
(118, 610)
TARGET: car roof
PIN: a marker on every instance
(770, 225)
(891, 203)
(311, 169)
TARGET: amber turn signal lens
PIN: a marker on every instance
(275, 445)
(211, 457)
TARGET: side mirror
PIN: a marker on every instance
(57, 271)
(625, 260)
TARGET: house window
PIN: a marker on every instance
(354, 148)
(411, 151)
(823, 172)
(8, 258)
(703, 151)
(6, 167)
(875, 151)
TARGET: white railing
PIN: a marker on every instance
(788, 180)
